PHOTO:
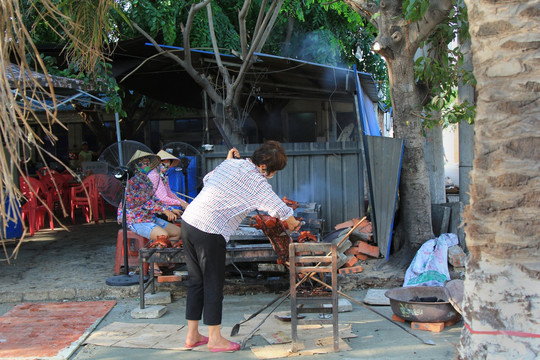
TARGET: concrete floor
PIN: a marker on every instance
(73, 265)
(377, 337)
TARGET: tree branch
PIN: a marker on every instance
(275, 8)
(260, 17)
(222, 69)
(242, 14)
(196, 76)
(262, 33)
(365, 9)
(437, 11)
(187, 30)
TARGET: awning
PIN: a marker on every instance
(65, 89)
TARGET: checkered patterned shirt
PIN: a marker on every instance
(231, 191)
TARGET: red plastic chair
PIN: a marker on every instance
(67, 176)
(88, 201)
(34, 209)
(55, 188)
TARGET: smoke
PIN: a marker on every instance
(313, 190)
(303, 194)
(318, 46)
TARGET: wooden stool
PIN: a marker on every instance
(313, 258)
(135, 243)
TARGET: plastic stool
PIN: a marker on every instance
(135, 243)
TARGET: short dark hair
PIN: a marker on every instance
(271, 154)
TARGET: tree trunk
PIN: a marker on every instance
(397, 41)
(415, 202)
(502, 300)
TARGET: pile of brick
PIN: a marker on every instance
(358, 247)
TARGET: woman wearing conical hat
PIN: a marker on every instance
(143, 207)
(159, 178)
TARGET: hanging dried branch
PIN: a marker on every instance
(23, 92)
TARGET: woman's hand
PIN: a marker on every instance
(233, 154)
(170, 215)
(183, 204)
(177, 212)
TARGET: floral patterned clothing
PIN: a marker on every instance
(141, 202)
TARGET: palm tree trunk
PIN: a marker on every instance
(502, 297)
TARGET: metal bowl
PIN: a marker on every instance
(402, 306)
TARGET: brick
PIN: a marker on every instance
(169, 278)
(149, 312)
(351, 270)
(344, 225)
(353, 250)
(365, 228)
(361, 256)
(397, 318)
(451, 322)
(358, 236)
(351, 260)
(365, 248)
(433, 327)
(159, 298)
(456, 256)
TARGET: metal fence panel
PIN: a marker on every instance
(330, 174)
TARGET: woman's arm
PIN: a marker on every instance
(294, 225)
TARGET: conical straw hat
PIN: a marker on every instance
(154, 160)
(164, 155)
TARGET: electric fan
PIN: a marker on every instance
(112, 187)
(186, 178)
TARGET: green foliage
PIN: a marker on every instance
(323, 33)
(108, 85)
(440, 70)
(156, 17)
(414, 10)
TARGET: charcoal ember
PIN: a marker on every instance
(426, 299)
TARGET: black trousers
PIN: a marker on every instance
(205, 259)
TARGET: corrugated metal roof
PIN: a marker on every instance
(271, 76)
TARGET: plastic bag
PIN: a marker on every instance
(430, 264)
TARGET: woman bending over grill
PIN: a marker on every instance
(231, 191)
